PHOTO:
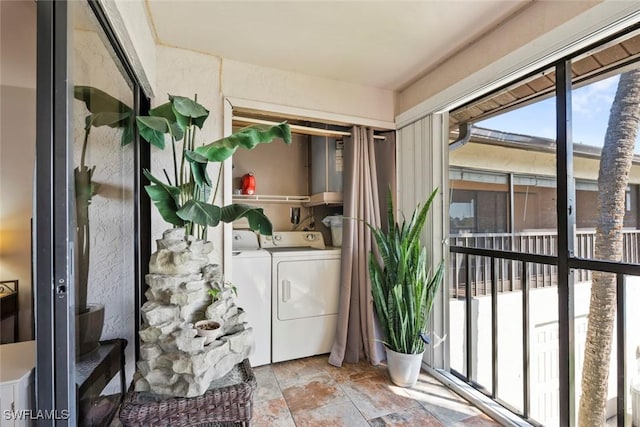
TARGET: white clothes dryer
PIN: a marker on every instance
(305, 280)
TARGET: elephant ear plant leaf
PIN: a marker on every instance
(403, 288)
(183, 200)
(105, 110)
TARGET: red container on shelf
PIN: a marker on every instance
(248, 183)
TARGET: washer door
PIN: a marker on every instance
(307, 288)
(252, 276)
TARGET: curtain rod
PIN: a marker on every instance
(306, 130)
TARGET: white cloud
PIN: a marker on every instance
(595, 98)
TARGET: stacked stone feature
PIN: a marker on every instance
(174, 360)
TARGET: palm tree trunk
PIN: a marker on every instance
(613, 177)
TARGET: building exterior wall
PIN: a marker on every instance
(534, 205)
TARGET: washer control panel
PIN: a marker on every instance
(293, 239)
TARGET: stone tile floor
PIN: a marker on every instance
(310, 392)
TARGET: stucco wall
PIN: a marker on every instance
(475, 156)
(17, 148)
(111, 266)
(130, 22)
(186, 73)
(287, 88)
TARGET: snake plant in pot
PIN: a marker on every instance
(183, 200)
(403, 290)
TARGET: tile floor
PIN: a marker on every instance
(310, 392)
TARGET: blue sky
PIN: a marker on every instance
(590, 104)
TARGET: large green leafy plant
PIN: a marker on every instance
(183, 200)
(402, 285)
(105, 110)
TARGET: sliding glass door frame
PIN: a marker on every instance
(53, 221)
(54, 217)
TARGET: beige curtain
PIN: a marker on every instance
(357, 332)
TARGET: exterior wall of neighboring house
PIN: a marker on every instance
(525, 162)
(534, 205)
(479, 174)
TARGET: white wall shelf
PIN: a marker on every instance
(266, 198)
(327, 198)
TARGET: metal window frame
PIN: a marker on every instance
(566, 261)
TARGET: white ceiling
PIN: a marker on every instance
(384, 44)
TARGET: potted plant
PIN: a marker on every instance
(210, 329)
(184, 287)
(183, 200)
(403, 291)
(105, 110)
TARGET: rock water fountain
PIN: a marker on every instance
(174, 360)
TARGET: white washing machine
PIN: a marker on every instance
(305, 281)
(252, 276)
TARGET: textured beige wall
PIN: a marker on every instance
(131, 24)
(111, 268)
(187, 73)
(17, 148)
(287, 88)
(475, 156)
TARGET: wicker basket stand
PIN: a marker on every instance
(229, 401)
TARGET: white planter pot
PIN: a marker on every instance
(208, 329)
(404, 368)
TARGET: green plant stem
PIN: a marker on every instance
(166, 175)
(175, 160)
(84, 147)
(215, 192)
(192, 141)
(184, 147)
(192, 183)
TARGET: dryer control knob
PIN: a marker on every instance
(277, 237)
(311, 237)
